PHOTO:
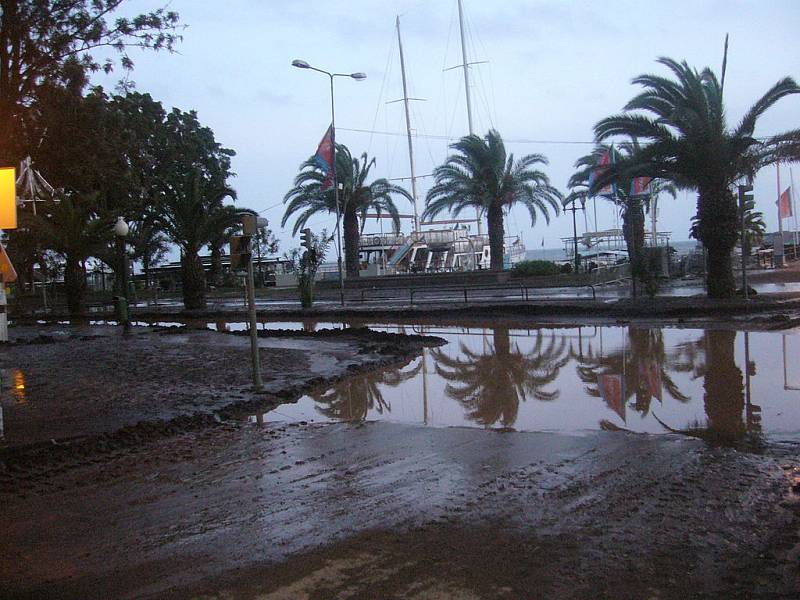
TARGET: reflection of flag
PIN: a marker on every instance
(605, 161)
(650, 373)
(785, 204)
(324, 157)
(611, 389)
(640, 186)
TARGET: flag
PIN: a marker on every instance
(785, 203)
(605, 161)
(640, 186)
(650, 373)
(612, 390)
(324, 157)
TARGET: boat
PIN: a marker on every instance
(427, 250)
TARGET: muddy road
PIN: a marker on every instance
(157, 484)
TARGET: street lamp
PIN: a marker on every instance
(301, 64)
(121, 230)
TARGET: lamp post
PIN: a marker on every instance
(121, 232)
(574, 209)
(301, 64)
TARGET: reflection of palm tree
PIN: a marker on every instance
(712, 357)
(354, 397)
(644, 367)
(491, 384)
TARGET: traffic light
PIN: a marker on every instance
(306, 239)
(745, 195)
(241, 252)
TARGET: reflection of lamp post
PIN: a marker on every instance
(121, 232)
(301, 64)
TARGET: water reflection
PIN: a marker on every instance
(572, 379)
(491, 384)
(638, 370)
(354, 397)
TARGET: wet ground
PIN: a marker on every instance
(494, 466)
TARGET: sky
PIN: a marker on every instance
(548, 71)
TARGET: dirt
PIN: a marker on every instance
(160, 488)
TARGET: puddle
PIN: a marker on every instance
(717, 384)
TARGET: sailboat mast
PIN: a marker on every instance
(465, 66)
(408, 127)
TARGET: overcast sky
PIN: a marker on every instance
(553, 70)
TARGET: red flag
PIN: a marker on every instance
(785, 203)
(650, 372)
(640, 186)
(611, 389)
(324, 157)
(602, 166)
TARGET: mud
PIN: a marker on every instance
(154, 488)
(387, 511)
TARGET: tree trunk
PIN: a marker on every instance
(494, 220)
(194, 281)
(633, 230)
(215, 273)
(717, 229)
(350, 230)
(75, 284)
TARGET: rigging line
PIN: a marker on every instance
(491, 77)
(452, 137)
(383, 87)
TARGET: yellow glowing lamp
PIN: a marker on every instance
(8, 198)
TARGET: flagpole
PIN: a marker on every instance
(782, 261)
(794, 208)
(336, 196)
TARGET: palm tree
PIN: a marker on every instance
(632, 206)
(310, 196)
(481, 175)
(490, 385)
(192, 216)
(72, 228)
(688, 141)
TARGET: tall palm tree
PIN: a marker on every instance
(191, 216)
(309, 197)
(490, 385)
(483, 176)
(632, 206)
(73, 228)
(687, 140)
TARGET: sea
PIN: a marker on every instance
(558, 254)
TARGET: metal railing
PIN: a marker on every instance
(447, 292)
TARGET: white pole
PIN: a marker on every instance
(794, 207)
(408, 128)
(781, 258)
(466, 88)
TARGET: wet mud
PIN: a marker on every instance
(156, 487)
(389, 511)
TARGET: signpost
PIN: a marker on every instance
(242, 257)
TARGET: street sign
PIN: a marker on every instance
(241, 252)
(7, 272)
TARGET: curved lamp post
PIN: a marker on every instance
(301, 64)
(121, 230)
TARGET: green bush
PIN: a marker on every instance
(529, 268)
